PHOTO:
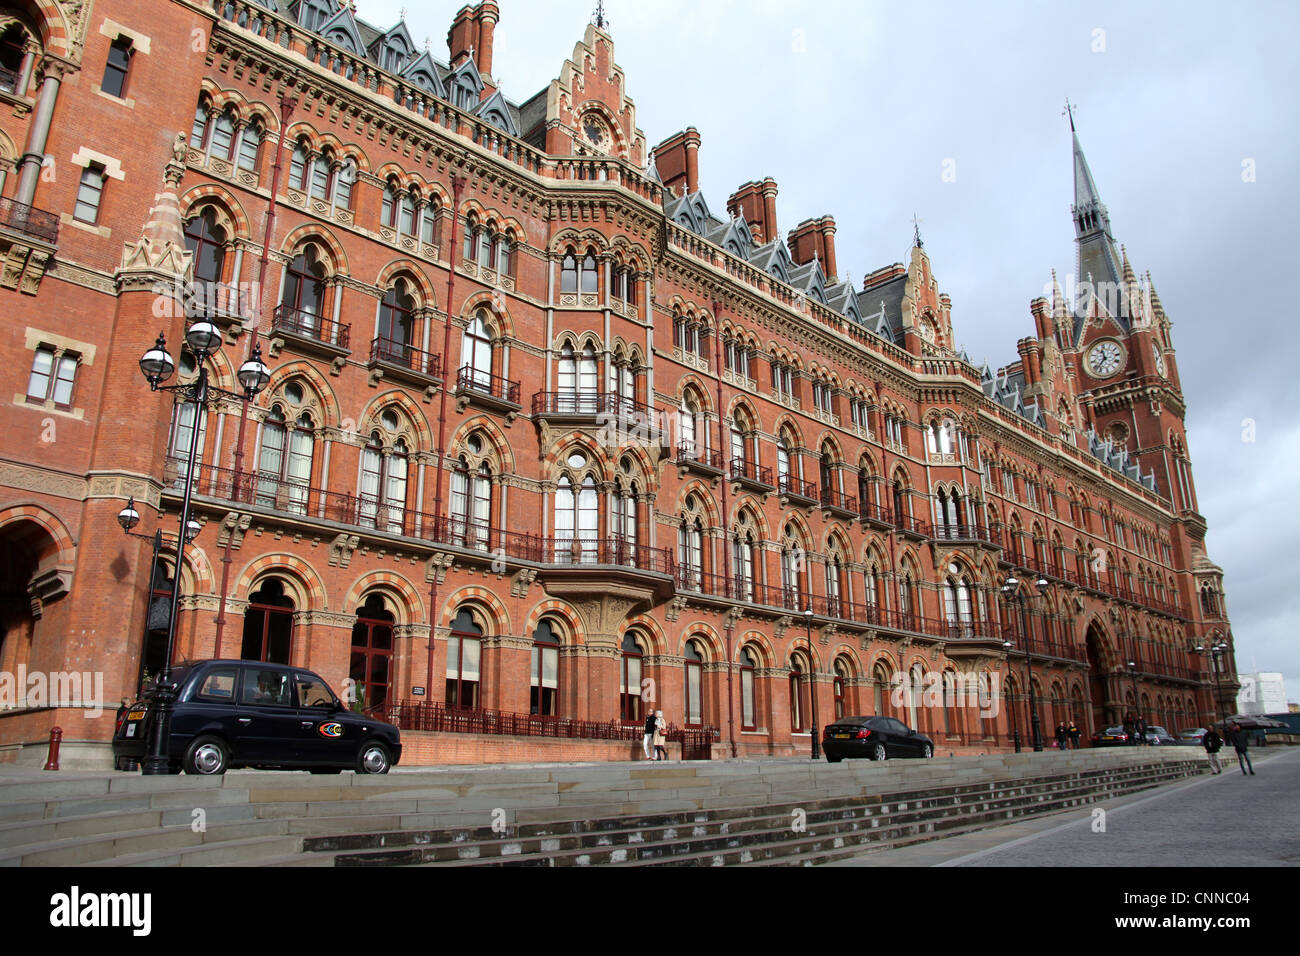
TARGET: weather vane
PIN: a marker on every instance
(916, 231)
(1069, 111)
(601, 22)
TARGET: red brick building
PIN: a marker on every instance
(545, 437)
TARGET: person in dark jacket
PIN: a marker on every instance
(1237, 737)
(649, 734)
(1074, 733)
(1062, 737)
(1142, 730)
(1212, 742)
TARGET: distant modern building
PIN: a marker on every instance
(1261, 693)
(548, 437)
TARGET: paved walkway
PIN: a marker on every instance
(1225, 820)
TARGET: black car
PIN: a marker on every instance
(254, 714)
(873, 737)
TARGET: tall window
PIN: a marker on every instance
(207, 241)
(115, 70)
(747, 708)
(53, 375)
(372, 654)
(464, 651)
(796, 694)
(250, 143)
(743, 549)
(689, 414)
(304, 291)
(690, 550)
(298, 166)
(397, 323)
(545, 688)
(569, 272)
(694, 684)
(223, 134)
(576, 519)
(183, 418)
(630, 680)
(588, 280)
(476, 353)
(471, 504)
(623, 511)
(383, 486)
(89, 194)
(284, 462)
(268, 624)
(840, 687)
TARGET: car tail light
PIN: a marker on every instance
(863, 734)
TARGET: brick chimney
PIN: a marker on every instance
(489, 14)
(814, 238)
(678, 160)
(462, 35)
(756, 202)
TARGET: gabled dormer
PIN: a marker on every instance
(314, 14)
(465, 86)
(393, 50)
(774, 259)
(342, 31)
(423, 72)
(734, 236)
(497, 111)
(808, 279)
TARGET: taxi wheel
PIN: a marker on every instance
(878, 752)
(373, 758)
(207, 756)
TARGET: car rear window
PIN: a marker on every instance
(217, 685)
(267, 688)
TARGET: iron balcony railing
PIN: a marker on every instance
(29, 220)
(870, 511)
(475, 380)
(308, 325)
(791, 485)
(742, 469)
(400, 354)
(838, 500)
(589, 403)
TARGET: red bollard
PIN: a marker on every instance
(56, 737)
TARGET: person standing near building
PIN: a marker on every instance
(1142, 730)
(649, 734)
(660, 736)
(1237, 737)
(1074, 733)
(1062, 736)
(1212, 742)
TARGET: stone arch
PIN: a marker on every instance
(410, 607)
(65, 548)
(482, 598)
(300, 578)
(648, 626)
(562, 611)
(499, 321)
(228, 206)
(405, 268)
(414, 414)
(762, 643)
(707, 635)
(282, 374)
(314, 232)
(500, 448)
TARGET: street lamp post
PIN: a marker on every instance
(128, 518)
(1219, 648)
(1011, 589)
(1137, 707)
(157, 366)
(812, 689)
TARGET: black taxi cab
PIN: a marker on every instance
(234, 713)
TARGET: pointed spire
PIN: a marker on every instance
(1085, 189)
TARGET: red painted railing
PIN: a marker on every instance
(476, 380)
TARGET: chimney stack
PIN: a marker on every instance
(462, 35)
(756, 203)
(678, 160)
(489, 14)
(815, 238)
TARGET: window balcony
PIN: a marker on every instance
(839, 504)
(751, 475)
(310, 333)
(874, 515)
(31, 222)
(476, 387)
(592, 408)
(961, 533)
(703, 461)
(912, 527)
(604, 564)
(796, 491)
(402, 361)
(28, 237)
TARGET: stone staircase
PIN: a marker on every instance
(758, 812)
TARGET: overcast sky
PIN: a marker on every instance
(1187, 113)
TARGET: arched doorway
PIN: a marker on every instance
(1098, 681)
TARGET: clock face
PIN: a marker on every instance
(1160, 359)
(1105, 358)
(927, 330)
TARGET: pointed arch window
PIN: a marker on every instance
(694, 664)
(576, 520)
(304, 291)
(298, 166)
(464, 652)
(630, 709)
(476, 353)
(690, 551)
(268, 624)
(370, 667)
(397, 324)
(471, 505)
(743, 550)
(285, 462)
(747, 709)
(569, 272)
(183, 417)
(797, 670)
(589, 281)
(840, 687)
(206, 240)
(223, 134)
(383, 486)
(545, 688)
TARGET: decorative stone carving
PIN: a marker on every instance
(522, 581)
(438, 566)
(675, 608)
(233, 527)
(341, 549)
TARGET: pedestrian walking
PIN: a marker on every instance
(1212, 742)
(649, 734)
(1062, 736)
(1130, 729)
(1142, 730)
(660, 736)
(1237, 737)
(1075, 733)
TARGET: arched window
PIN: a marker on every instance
(740, 432)
(476, 354)
(320, 175)
(747, 708)
(743, 550)
(471, 505)
(623, 512)
(797, 671)
(250, 144)
(690, 550)
(841, 687)
(268, 624)
(389, 206)
(630, 680)
(569, 272)
(397, 325)
(793, 570)
(304, 293)
(589, 282)
(576, 515)
(207, 242)
(690, 414)
(298, 166)
(372, 656)
(183, 418)
(223, 134)
(544, 693)
(383, 486)
(785, 462)
(284, 462)
(199, 131)
(464, 651)
(694, 684)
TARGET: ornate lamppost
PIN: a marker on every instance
(157, 366)
(1011, 590)
(812, 689)
(1217, 650)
